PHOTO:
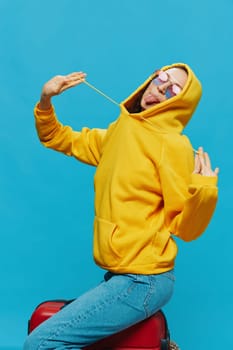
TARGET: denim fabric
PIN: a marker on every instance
(117, 303)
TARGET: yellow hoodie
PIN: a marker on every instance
(145, 191)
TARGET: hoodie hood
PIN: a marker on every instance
(173, 114)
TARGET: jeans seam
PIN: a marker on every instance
(147, 298)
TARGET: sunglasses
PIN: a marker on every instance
(172, 90)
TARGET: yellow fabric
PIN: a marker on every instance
(144, 187)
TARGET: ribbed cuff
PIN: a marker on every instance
(198, 179)
(43, 112)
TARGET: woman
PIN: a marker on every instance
(145, 192)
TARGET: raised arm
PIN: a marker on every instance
(85, 145)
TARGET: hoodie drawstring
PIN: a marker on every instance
(101, 93)
(116, 103)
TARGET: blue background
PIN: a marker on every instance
(46, 206)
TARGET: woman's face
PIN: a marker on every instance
(167, 84)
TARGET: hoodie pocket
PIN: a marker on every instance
(105, 252)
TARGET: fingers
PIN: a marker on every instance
(197, 165)
(207, 159)
(60, 83)
(75, 77)
(72, 79)
(204, 160)
(200, 159)
(216, 171)
(203, 164)
(76, 74)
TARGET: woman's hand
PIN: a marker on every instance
(203, 164)
(57, 85)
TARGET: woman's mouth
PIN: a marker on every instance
(151, 99)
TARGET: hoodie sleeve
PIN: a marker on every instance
(189, 199)
(85, 145)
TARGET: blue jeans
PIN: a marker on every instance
(117, 303)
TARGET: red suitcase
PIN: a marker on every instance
(150, 334)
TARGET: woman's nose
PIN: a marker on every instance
(163, 87)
